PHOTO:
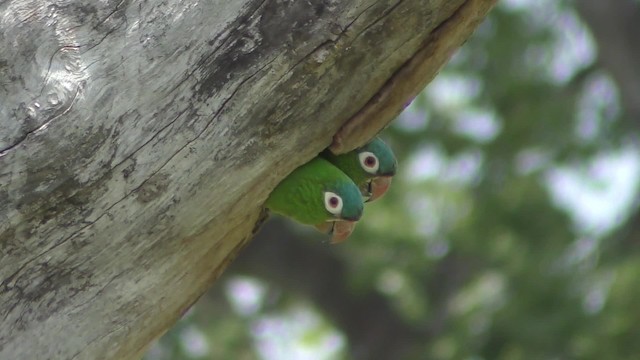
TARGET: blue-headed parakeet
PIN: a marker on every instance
(319, 194)
(371, 167)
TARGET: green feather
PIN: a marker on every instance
(350, 164)
(301, 194)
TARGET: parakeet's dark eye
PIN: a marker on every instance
(369, 162)
(333, 203)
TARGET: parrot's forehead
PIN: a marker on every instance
(377, 147)
(339, 187)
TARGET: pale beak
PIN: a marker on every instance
(339, 230)
(342, 230)
(379, 187)
(325, 227)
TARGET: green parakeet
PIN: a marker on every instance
(371, 167)
(316, 193)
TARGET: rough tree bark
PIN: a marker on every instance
(139, 139)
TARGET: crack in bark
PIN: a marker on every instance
(108, 15)
(224, 42)
(98, 338)
(246, 75)
(231, 255)
(411, 77)
(106, 35)
(338, 36)
(384, 15)
(46, 77)
(360, 14)
(64, 112)
(189, 142)
(99, 291)
(24, 137)
(5, 283)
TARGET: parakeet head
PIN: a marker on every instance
(315, 193)
(342, 200)
(371, 167)
(379, 162)
(376, 159)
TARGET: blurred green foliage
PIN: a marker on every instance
(470, 242)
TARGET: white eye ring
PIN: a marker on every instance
(333, 203)
(369, 162)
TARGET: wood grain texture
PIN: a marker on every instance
(139, 139)
(405, 84)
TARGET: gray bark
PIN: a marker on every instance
(139, 139)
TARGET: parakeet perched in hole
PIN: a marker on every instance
(317, 193)
(371, 167)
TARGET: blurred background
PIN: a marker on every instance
(512, 230)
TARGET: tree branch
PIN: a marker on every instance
(139, 140)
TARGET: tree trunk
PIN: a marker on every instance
(138, 141)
